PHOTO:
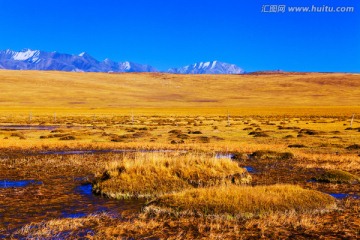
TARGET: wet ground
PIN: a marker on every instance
(266, 172)
(36, 201)
(42, 191)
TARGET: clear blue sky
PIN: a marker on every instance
(173, 33)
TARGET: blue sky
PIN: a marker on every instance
(175, 33)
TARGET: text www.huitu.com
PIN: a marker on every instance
(306, 9)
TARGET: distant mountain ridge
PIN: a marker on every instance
(28, 59)
(213, 67)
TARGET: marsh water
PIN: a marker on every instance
(35, 201)
(120, 151)
(250, 169)
(27, 127)
(16, 183)
(344, 195)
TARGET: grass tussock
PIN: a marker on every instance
(62, 228)
(241, 201)
(338, 176)
(154, 174)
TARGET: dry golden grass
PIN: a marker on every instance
(347, 162)
(241, 201)
(153, 174)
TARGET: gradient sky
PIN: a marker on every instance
(175, 33)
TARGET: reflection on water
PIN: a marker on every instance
(73, 215)
(344, 195)
(224, 155)
(79, 152)
(27, 127)
(85, 189)
(17, 183)
(249, 169)
(90, 203)
(231, 156)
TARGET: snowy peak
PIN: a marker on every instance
(85, 55)
(107, 60)
(205, 65)
(28, 59)
(26, 54)
(126, 65)
(23, 55)
(213, 67)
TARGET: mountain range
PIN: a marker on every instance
(213, 67)
(28, 59)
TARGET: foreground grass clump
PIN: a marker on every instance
(274, 226)
(337, 176)
(151, 175)
(64, 228)
(241, 201)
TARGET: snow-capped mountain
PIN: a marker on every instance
(28, 59)
(213, 67)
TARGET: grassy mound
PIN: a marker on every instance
(241, 201)
(272, 155)
(337, 176)
(151, 175)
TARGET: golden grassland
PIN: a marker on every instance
(292, 128)
(156, 93)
